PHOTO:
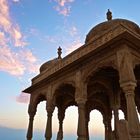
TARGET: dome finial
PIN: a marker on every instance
(109, 15)
(59, 52)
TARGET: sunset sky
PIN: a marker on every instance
(30, 33)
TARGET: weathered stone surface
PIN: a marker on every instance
(103, 74)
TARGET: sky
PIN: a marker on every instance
(30, 33)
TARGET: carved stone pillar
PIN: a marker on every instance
(116, 107)
(133, 121)
(116, 116)
(109, 129)
(87, 121)
(31, 113)
(128, 84)
(106, 129)
(48, 132)
(107, 125)
(116, 120)
(81, 98)
(81, 131)
(61, 115)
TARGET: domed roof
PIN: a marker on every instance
(47, 65)
(104, 27)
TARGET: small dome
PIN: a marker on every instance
(104, 27)
(47, 65)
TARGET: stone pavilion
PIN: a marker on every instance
(103, 74)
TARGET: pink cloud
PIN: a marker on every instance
(8, 27)
(34, 32)
(10, 63)
(17, 63)
(28, 56)
(17, 36)
(51, 39)
(23, 98)
(14, 61)
(75, 38)
(65, 11)
(63, 6)
(16, 0)
(3, 40)
(73, 31)
(33, 68)
(64, 2)
(73, 46)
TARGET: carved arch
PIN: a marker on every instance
(35, 99)
(60, 85)
(107, 86)
(100, 106)
(95, 68)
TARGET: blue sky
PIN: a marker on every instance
(30, 33)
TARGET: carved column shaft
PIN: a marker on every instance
(31, 113)
(128, 84)
(30, 128)
(133, 121)
(116, 117)
(60, 131)
(61, 115)
(48, 133)
(87, 122)
(81, 131)
(109, 129)
(106, 131)
(81, 97)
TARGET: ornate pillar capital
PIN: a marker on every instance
(128, 86)
(81, 101)
(61, 114)
(125, 65)
(115, 106)
(50, 106)
(133, 121)
(50, 109)
(32, 109)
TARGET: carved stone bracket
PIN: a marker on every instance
(125, 65)
(32, 110)
(81, 89)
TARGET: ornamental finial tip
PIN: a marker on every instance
(59, 52)
(109, 15)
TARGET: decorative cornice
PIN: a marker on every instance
(85, 50)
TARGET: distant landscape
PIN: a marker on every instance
(20, 134)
